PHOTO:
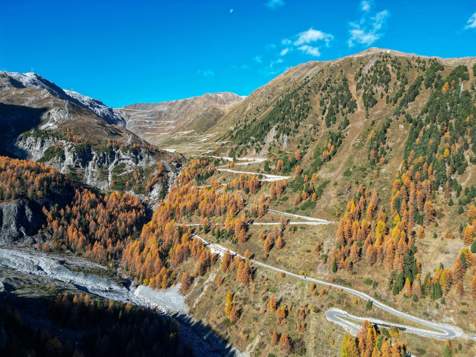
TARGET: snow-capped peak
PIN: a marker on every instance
(33, 80)
(28, 79)
(98, 107)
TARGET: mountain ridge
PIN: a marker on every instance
(311, 71)
(32, 79)
(156, 122)
(204, 95)
(78, 135)
(338, 192)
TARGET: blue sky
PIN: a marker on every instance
(124, 51)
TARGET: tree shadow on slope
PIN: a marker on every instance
(14, 120)
(81, 324)
(209, 342)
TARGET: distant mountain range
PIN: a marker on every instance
(333, 104)
(156, 122)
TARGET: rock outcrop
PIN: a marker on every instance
(19, 219)
(80, 136)
(107, 168)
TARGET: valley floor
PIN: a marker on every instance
(69, 272)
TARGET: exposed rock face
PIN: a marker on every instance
(160, 189)
(106, 168)
(78, 135)
(19, 219)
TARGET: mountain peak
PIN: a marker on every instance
(34, 80)
(376, 51)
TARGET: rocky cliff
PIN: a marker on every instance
(19, 219)
(108, 167)
(80, 136)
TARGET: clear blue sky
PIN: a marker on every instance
(125, 52)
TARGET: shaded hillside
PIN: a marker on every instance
(79, 324)
(78, 135)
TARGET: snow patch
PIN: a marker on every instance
(98, 107)
(33, 80)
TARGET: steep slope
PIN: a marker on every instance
(158, 122)
(316, 97)
(383, 144)
(347, 120)
(28, 190)
(76, 134)
(372, 214)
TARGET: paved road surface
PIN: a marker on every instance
(306, 218)
(265, 177)
(291, 223)
(435, 330)
(242, 161)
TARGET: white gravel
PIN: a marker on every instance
(169, 299)
(40, 264)
(53, 267)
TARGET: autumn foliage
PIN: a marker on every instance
(371, 342)
(95, 225)
(28, 179)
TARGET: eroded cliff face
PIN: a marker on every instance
(81, 137)
(108, 167)
(19, 219)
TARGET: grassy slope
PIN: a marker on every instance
(346, 170)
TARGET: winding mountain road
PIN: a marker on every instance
(247, 161)
(242, 161)
(306, 221)
(265, 177)
(435, 330)
(306, 218)
(349, 322)
(291, 223)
